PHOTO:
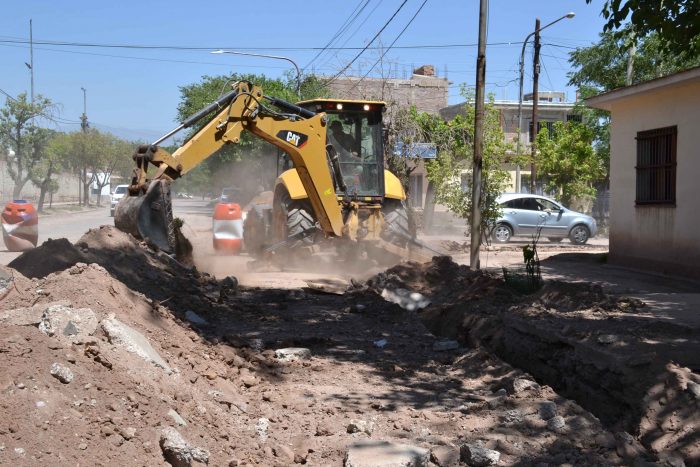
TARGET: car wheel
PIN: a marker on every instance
(555, 239)
(579, 235)
(502, 233)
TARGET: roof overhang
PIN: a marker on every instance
(605, 100)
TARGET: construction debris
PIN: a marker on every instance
(142, 344)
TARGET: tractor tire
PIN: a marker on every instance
(294, 222)
(398, 228)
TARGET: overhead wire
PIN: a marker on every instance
(390, 46)
(353, 16)
(349, 64)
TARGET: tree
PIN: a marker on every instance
(603, 67)
(49, 165)
(451, 170)
(676, 22)
(20, 133)
(567, 161)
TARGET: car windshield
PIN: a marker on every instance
(120, 190)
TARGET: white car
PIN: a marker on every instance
(117, 195)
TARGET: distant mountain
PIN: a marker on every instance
(130, 134)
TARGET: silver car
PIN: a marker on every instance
(523, 214)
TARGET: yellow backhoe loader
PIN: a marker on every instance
(337, 188)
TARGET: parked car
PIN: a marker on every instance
(117, 194)
(523, 214)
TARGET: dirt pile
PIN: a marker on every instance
(140, 361)
(604, 351)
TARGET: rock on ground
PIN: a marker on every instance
(133, 341)
(293, 353)
(64, 322)
(61, 373)
(385, 454)
(406, 299)
(178, 452)
(478, 456)
(445, 456)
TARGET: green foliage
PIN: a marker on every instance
(20, 132)
(451, 172)
(603, 67)
(567, 161)
(675, 21)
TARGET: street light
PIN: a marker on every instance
(569, 15)
(234, 52)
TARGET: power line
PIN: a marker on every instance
(341, 30)
(349, 64)
(353, 33)
(289, 49)
(390, 46)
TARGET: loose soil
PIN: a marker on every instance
(370, 361)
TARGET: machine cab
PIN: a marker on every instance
(355, 131)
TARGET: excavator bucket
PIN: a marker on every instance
(149, 216)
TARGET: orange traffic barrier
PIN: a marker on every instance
(20, 225)
(228, 228)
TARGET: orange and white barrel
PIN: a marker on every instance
(227, 228)
(20, 225)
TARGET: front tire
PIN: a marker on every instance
(293, 222)
(398, 228)
(502, 233)
(579, 235)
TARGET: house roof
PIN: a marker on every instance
(604, 100)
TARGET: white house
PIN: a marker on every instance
(655, 173)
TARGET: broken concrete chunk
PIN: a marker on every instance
(291, 354)
(132, 341)
(28, 316)
(406, 299)
(61, 373)
(556, 424)
(195, 319)
(261, 428)
(385, 454)
(360, 426)
(442, 346)
(66, 323)
(522, 384)
(478, 456)
(178, 452)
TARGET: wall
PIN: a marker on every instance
(428, 94)
(664, 239)
(67, 191)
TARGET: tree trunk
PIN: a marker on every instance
(429, 207)
(42, 194)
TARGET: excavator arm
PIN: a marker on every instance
(147, 211)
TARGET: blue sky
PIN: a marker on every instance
(135, 91)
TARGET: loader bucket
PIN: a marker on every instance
(149, 216)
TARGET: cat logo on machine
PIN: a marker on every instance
(293, 138)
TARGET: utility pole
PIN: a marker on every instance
(31, 58)
(535, 99)
(475, 233)
(83, 118)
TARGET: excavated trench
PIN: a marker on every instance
(606, 353)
